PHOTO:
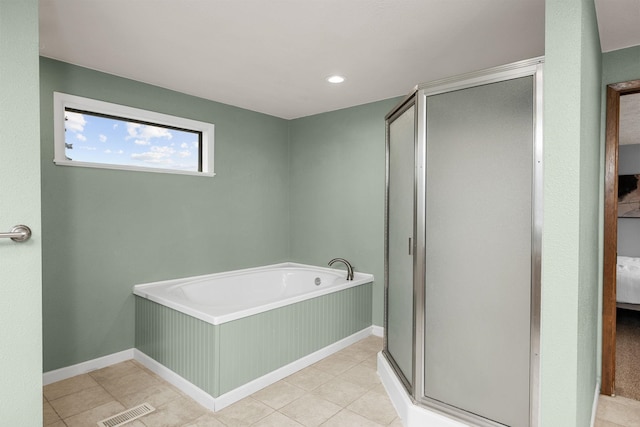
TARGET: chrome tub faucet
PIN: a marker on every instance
(345, 262)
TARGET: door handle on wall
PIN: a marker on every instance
(19, 233)
(409, 245)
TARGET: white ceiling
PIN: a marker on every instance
(273, 56)
(618, 23)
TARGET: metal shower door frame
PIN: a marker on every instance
(416, 386)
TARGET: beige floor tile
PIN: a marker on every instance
(335, 364)
(311, 397)
(371, 362)
(347, 418)
(311, 410)
(68, 386)
(91, 417)
(379, 388)
(174, 413)
(361, 375)
(156, 395)
(601, 423)
(356, 353)
(372, 344)
(278, 394)
(276, 419)
(131, 383)
(244, 412)
(375, 407)
(49, 415)
(396, 423)
(114, 371)
(81, 401)
(619, 410)
(309, 378)
(207, 420)
(340, 392)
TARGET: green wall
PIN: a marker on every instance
(620, 66)
(337, 166)
(20, 273)
(571, 241)
(107, 230)
(305, 190)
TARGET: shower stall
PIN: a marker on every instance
(462, 246)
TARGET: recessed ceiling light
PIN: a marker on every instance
(335, 79)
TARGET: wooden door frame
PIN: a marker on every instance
(614, 91)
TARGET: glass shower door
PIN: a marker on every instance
(478, 259)
(399, 242)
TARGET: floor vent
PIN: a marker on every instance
(127, 416)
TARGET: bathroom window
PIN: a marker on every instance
(97, 134)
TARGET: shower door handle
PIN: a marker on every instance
(19, 233)
(410, 245)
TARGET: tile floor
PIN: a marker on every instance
(617, 412)
(340, 390)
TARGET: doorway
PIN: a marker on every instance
(609, 301)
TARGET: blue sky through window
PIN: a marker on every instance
(109, 140)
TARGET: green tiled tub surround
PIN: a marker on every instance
(223, 358)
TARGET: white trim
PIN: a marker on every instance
(188, 388)
(410, 414)
(216, 404)
(193, 391)
(88, 366)
(63, 100)
(594, 409)
(378, 331)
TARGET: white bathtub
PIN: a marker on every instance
(223, 297)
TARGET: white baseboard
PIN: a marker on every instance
(594, 409)
(293, 367)
(84, 367)
(196, 393)
(188, 388)
(216, 404)
(410, 414)
(378, 331)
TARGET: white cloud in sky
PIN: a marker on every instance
(102, 138)
(74, 121)
(157, 154)
(132, 130)
(163, 149)
(184, 145)
(143, 134)
(107, 151)
(184, 154)
(81, 137)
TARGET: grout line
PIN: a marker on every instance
(54, 410)
(180, 395)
